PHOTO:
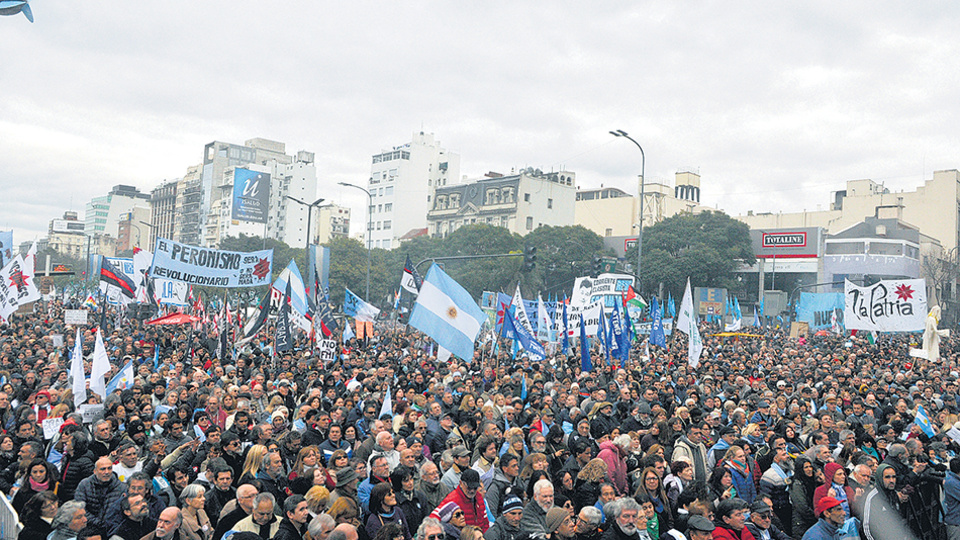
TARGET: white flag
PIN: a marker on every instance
(687, 323)
(76, 370)
(142, 260)
(29, 271)
(100, 367)
(521, 312)
(387, 407)
(544, 333)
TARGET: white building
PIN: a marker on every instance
(402, 184)
(286, 219)
(520, 202)
(102, 215)
(330, 221)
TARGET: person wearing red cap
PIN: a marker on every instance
(832, 515)
(42, 405)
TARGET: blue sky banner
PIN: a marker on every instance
(816, 309)
(251, 195)
(211, 267)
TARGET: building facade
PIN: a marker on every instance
(330, 221)
(65, 236)
(402, 184)
(520, 202)
(132, 230)
(163, 214)
(187, 215)
(102, 216)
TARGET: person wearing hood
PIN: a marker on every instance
(801, 494)
(835, 485)
(614, 453)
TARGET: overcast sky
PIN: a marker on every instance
(775, 104)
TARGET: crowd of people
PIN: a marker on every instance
(767, 438)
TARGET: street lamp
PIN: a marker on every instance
(643, 180)
(310, 208)
(153, 228)
(369, 230)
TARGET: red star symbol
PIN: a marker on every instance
(17, 279)
(904, 292)
(261, 268)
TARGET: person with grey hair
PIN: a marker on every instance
(271, 475)
(623, 513)
(848, 440)
(428, 528)
(263, 521)
(71, 518)
(430, 484)
(588, 523)
(196, 523)
(168, 526)
(320, 527)
(535, 512)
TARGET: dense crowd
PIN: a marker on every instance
(768, 438)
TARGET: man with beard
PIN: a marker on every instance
(508, 526)
(136, 521)
(775, 483)
(430, 484)
(640, 419)
(588, 524)
(624, 526)
(535, 513)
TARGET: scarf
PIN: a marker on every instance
(784, 475)
(740, 466)
(841, 496)
(38, 487)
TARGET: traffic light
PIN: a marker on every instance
(597, 266)
(529, 258)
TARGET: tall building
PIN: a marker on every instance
(520, 202)
(286, 219)
(402, 184)
(219, 158)
(132, 231)
(163, 207)
(187, 215)
(65, 236)
(934, 208)
(102, 216)
(330, 221)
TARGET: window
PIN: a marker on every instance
(378, 225)
(526, 197)
(529, 223)
(379, 208)
(549, 203)
(388, 190)
(608, 232)
(386, 225)
(388, 207)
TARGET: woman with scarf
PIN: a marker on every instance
(40, 476)
(652, 488)
(384, 509)
(735, 461)
(835, 485)
(801, 494)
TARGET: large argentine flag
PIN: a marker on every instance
(446, 312)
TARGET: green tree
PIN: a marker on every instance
(706, 247)
(563, 255)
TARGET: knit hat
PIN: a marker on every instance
(825, 504)
(555, 517)
(512, 503)
(445, 512)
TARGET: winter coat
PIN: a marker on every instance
(501, 531)
(73, 470)
(821, 531)
(287, 531)
(722, 532)
(376, 522)
(612, 455)
(498, 487)
(474, 511)
(99, 496)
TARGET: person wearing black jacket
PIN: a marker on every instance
(77, 464)
(294, 523)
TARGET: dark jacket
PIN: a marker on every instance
(227, 522)
(132, 530)
(775, 533)
(288, 531)
(35, 530)
(614, 533)
(498, 487)
(99, 496)
(501, 531)
(115, 515)
(73, 470)
(216, 499)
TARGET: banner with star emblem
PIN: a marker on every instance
(894, 305)
(211, 267)
(16, 286)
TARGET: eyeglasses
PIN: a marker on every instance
(764, 515)
(458, 513)
(433, 537)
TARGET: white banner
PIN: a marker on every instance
(327, 350)
(211, 267)
(171, 292)
(75, 316)
(895, 305)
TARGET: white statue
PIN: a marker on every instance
(931, 337)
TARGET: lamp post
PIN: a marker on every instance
(310, 207)
(153, 228)
(369, 230)
(643, 180)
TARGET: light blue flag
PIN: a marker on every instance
(387, 407)
(446, 312)
(523, 338)
(156, 356)
(348, 332)
(923, 421)
(122, 380)
(736, 307)
(586, 364)
(657, 336)
(566, 338)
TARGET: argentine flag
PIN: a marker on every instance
(122, 380)
(923, 421)
(446, 312)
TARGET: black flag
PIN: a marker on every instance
(284, 340)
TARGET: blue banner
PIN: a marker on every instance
(251, 195)
(818, 309)
(6, 247)
(211, 267)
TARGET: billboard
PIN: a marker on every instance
(710, 300)
(251, 195)
(786, 243)
(212, 267)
